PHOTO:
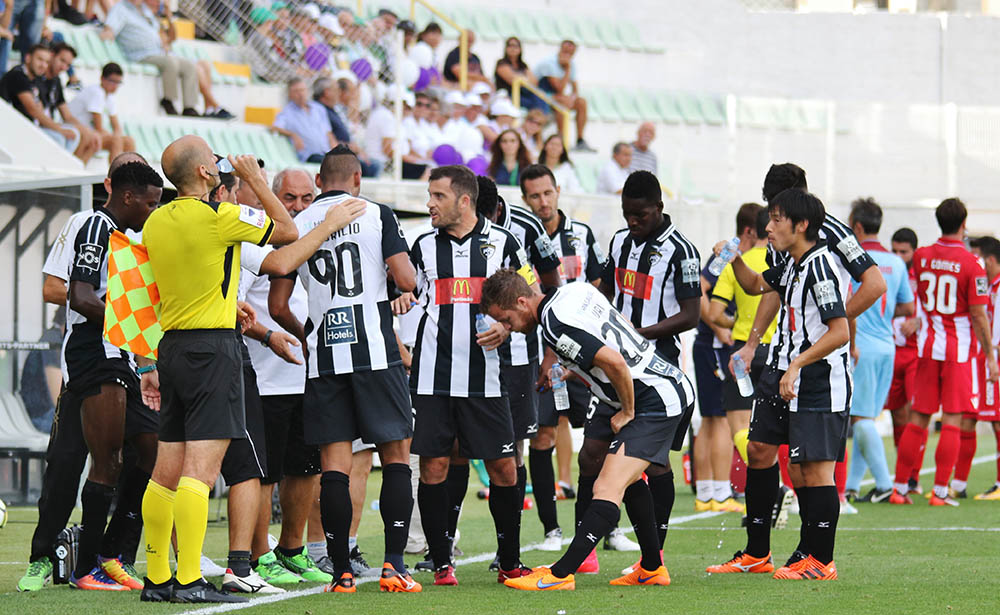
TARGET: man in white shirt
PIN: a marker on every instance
(616, 171)
(96, 100)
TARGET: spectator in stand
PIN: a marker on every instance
(531, 131)
(643, 158)
(327, 93)
(417, 129)
(380, 134)
(504, 114)
(616, 171)
(426, 53)
(508, 158)
(458, 131)
(23, 87)
(510, 67)
(6, 33)
(305, 123)
(437, 118)
(557, 76)
(97, 100)
(453, 70)
(136, 29)
(54, 101)
(27, 17)
(556, 158)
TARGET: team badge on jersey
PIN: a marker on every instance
(850, 248)
(339, 327)
(90, 254)
(654, 257)
(568, 347)
(689, 270)
(488, 250)
(826, 293)
(574, 241)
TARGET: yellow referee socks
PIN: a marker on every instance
(740, 439)
(190, 517)
(158, 518)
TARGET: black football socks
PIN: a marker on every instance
(543, 484)
(639, 506)
(396, 506)
(336, 513)
(662, 489)
(433, 503)
(761, 491)
(601, 517)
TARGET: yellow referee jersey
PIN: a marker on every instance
(728, 289)
(194, 251)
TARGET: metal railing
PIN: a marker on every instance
(463, 39)
(561, 111)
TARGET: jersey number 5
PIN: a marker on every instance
(347, 251)
(945, 299)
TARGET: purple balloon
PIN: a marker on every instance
(423, 80)
(445, 155)
(362, 68)
(478, 165)
(317, 55)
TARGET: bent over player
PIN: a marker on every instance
(651, 397)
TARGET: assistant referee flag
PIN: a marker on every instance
(132, 305)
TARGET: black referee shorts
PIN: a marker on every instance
(287, 451)
(482, 426)
(246, 458)
(201, 386)
(371, 405)
(579, 405)
(519, 381)
(810, 436)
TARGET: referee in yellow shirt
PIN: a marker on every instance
(753, 245)
(194, 251)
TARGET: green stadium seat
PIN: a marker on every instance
(527, 27)
(484, 23)
(690, 108)
(566, 26)
(587, 29)
(600, 105)
(507, 25)
(548, 28)
(587, 168)
(646, 105)
(609, 33)
(713, 109)
(668, 107)
(626, 104)
(630, 36)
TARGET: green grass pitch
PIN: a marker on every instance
(890, 560)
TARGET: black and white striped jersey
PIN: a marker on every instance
(577, 321)
(651, 278)
(810, 297)
(580, 256)
(349, 328)
(529, 231)
(450, 274)
(851, 261)
(84, 342)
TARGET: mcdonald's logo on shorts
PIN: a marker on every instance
(458, 290)
(634, 283)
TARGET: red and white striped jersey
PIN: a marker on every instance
(991, 311)
(949, 280)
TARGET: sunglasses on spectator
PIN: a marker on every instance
(114, 81)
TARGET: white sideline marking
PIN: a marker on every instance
(873, 529)
(930, 470)
(474, 559)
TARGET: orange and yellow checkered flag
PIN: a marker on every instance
(132, 305)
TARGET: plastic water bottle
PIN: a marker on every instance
(559, 390)
(482, 327)
(742, 377)
(728, 253)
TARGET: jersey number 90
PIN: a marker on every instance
(347, 276)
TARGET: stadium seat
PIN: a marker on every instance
(526, 26)
(690, 108)
(625, 101)
(587, 29)
(646, 105)
(508, 26)
(566, 26)
(483, 21)
(633, 39)
(667, 105)
(600, 105)
(587, 168)
(610, 34)
(548, 29)
(713, 109)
